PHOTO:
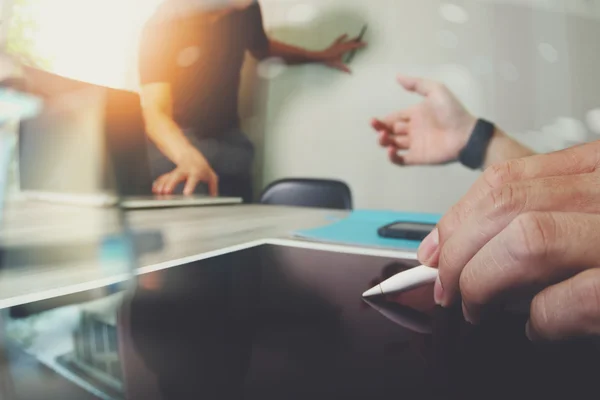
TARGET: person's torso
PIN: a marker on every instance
(208, 56)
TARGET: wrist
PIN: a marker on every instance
(497, 148)
(315, 56)
(465, 130)
(185, 152)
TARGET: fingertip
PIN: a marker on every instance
(428, 248)
(213, 189)
(394, 157)
(385, 140)
(401, 78)
(343, 67)
(407, 82)
(438, 292)
(528, 331)
(156, 185)
(466, 314)
(379, 125)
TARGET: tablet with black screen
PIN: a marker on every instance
(281, 322)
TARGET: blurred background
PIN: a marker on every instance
(529, 65)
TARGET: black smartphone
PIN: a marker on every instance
(406, 230)
(351, 54)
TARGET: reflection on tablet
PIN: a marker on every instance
(406, 317)
(419, 299)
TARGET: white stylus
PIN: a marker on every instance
(405, 280)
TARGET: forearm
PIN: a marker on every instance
(502, 148)
(167, 136)
(293, 55)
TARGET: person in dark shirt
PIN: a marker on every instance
(190, 63)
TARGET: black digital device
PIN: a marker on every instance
(406, 230)
(276, 321)
(358, 39)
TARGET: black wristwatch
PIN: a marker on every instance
(473, 154)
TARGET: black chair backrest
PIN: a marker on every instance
(320, 193)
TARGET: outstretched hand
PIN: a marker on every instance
(431, 132)
(334, 54)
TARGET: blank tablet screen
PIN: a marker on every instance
(277, 322)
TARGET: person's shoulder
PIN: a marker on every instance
(252, 9)
(254, 5)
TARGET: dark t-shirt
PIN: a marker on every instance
(202, 60)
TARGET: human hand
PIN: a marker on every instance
(529, 226)
(333, 55)
(431, 132)
(192, 168)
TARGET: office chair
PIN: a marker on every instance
(319, 193)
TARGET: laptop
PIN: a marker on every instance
(5, 157)
(88, 147)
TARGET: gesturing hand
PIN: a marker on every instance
(528, 226)
(431, 132)
(191, 169)
(333, 55)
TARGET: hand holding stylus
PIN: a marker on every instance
(528, 227)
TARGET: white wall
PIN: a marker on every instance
(532, 70)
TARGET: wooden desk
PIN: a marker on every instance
(45, 232)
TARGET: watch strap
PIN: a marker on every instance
(473, 154)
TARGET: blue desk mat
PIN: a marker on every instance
(360, 229)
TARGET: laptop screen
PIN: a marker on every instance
(87, 140)
(5, 156)
(14, 107)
